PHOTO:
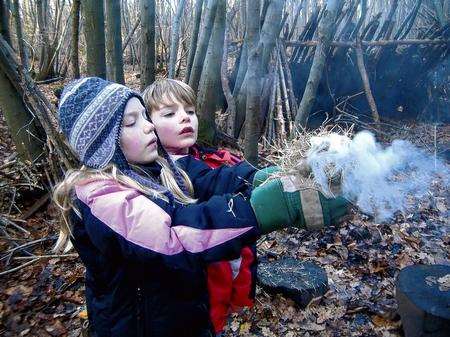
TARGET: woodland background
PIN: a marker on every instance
(262, 70)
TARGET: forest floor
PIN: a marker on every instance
(45, 295)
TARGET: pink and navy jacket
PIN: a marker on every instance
(146, 258)
(231, 283)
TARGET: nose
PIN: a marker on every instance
(149, 127)
(184, 116)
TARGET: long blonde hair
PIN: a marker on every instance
(63, 193)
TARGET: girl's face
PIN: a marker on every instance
(177, 126)
(137, 138)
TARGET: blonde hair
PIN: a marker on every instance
(63, 193)
(165, 91)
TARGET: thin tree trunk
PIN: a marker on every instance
(4, 21)
(130, 34)
(210, 88)
(269, 32)
(114, 63)
(366, 83)
(75, 36)
(325, 35)
(22, 50)
(194, 39)
(147, 8)
(94, 34)
(252, 128)
(174, 38)
(202, 45)
(46, 60)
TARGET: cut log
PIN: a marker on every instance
(300, 281)
(423, 296)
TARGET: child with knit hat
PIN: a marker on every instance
(130, 213)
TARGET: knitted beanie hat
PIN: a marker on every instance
(90, 115)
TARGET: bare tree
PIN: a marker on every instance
(147, 8)
(20, 40)
(114, 61)
(74, 53)
(175, 37)
(326, 33)
(94, 34)
(252, 129)
(4, 21)
(194, 39)
(210, 87)
(202, 44)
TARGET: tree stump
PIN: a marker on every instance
(423, 296)
(300, 281)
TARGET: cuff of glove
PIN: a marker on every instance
(262, 175)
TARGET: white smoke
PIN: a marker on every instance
(379, 180)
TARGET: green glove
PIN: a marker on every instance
(281, 202)
(262, 175)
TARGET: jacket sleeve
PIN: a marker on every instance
(125, 224)
(208, 182)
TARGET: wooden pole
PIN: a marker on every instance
(366, 83)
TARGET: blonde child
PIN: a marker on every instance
(171, 105)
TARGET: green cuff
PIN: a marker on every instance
(262, 175)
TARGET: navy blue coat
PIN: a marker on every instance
(145, 258)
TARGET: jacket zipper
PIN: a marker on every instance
(139, 314)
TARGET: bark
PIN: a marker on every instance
(20, 41)
(46, 51)
(130, 34)
(75, 36)
(269, 32)
(34, 100)
(94, 34)
(210, 88)
(366, 83)
(4, 21)
(194, 39)
(147, 8)
(325, 35)
(22, 125)
(231, 110)
(114, 63)
(175, 37)
(202, 44)
(252, 128)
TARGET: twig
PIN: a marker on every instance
(50, 256)
(19, 267)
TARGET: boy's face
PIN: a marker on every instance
(176, 125)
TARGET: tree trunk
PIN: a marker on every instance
(268, 35)
(74, 53)
(4, 21)
(46, 60)
(194, 39)
(174, 38)
(114, 61)
(24, 129)
(203, 41)
(20, 41)
(94, 34)
(252, 128)
(326, 34)
(210, 87)
(147, 8)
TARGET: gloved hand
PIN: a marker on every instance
(264, 174)
(282, 202)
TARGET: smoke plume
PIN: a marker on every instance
(379, 180)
